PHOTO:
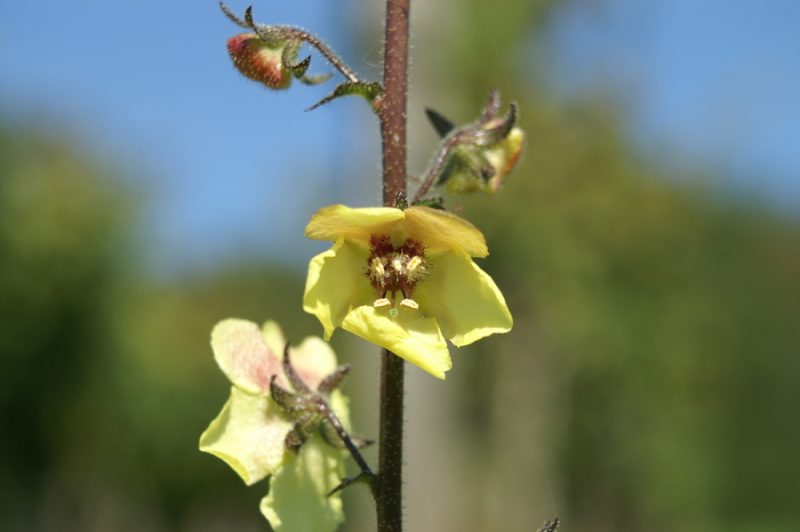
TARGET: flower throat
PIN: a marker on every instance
(394, 271)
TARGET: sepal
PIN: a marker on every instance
(369, 91)
(442, 125)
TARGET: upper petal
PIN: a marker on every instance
(439, 229)
(336, 282)
(464, 299)
(409, 335)
(248, 434)
(313, 360)
(242, 354)
(273, 337)
(339, 221)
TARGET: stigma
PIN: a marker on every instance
(394, 271)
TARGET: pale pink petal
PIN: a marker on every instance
(242, 354)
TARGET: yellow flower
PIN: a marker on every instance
(403, 279)
(249, 434)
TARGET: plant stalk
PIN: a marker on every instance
(392, 114)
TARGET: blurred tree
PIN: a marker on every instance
(106, 376)
(62, 223)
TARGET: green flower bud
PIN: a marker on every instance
(474, 168)
(479, 156)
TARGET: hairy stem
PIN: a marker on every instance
(392, 111)
(389, 497)
(392, 114)
(322, 48)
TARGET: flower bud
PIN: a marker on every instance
(474, 169)
(259, 60)
(463, 174)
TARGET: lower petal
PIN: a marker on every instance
(335, 283)
(298, 492)
(408, 335)
(465, 300)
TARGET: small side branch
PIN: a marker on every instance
(279, 33)
(366, 474)
(310, 409)
(437, 166)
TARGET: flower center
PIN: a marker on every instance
(394, 271)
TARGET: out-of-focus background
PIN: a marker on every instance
(648, 246)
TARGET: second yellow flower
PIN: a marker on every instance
(404, 280)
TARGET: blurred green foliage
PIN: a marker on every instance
(648, 384)
(106, 376)
(656, 339)
(59, 248)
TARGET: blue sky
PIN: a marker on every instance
(148, 85)
(714, 83)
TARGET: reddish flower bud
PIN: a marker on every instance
(259, 60)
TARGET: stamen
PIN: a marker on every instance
(377, 268)
(382, 302)
(395, 271)
(413, 264)
(409, 303)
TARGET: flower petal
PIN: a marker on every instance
(339, 221)
(503, 157)
(297, 498)
(443, 230)
(248, 435)
(340, 404)
(274, 338)
(313, 360)
(409, 335)
(242, 354)
(466, 302)
(336, 282)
